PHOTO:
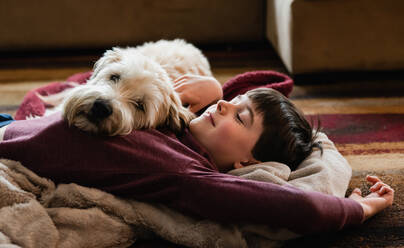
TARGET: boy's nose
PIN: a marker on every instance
(223, 106)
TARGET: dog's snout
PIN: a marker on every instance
(100, 110)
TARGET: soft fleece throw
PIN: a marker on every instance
(36, 213)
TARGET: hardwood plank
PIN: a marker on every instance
(17, 75)
(13, 93)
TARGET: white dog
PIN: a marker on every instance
(131, 88)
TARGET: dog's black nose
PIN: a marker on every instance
(100, 110)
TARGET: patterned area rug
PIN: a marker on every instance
(367, 126)
(368, 129)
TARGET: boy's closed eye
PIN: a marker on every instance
(246, 116)
(239, 119)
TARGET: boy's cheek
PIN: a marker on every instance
(226, 132)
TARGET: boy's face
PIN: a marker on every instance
(229, 131)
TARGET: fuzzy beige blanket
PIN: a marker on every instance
(36, 213)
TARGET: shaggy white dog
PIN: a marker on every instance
(131, 88)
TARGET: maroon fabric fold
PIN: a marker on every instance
(32, 105)
(244, 82)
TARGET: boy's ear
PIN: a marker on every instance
(238, 165)
(241, 164)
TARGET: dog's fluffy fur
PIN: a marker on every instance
(131, 88)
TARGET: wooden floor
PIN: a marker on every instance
(21, 72)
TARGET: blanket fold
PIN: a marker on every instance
(244, 82)
(24, 221)
(36, 213)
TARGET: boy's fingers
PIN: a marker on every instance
(181, 80)
(356, 194)
(195, 108)
(187, 99)
(383, 190)
(180, 87)
(373, 179)
(376, 186)
(178, 83)
(357, 191)
(181, 77)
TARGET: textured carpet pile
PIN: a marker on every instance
(367, 126)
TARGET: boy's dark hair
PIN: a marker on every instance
(287, 136)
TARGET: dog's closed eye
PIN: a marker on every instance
(115, 78)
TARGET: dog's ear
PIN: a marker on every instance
(185, 116)
(110, 56)
(179, 116)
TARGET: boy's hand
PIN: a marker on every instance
(198, 91)
(382, 196)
